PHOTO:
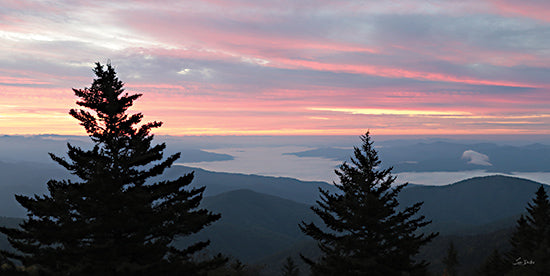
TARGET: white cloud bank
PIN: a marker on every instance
(476, 158)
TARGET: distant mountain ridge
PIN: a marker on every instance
(464, 198)
(474, 201)
(257, 225)
(306, 192)
(254, 224)
(34, 148)
(29, 178)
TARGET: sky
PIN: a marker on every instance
(311, 67)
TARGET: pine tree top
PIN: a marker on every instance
(108, 100)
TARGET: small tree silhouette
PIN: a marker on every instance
(289, 268)
(451, 260)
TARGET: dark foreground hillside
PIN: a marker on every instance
(472, 250)
(268, 227)
(254, 225)
(260, 226)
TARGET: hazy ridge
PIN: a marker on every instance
(260, 215)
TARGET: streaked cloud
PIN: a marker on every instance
(380, 111)
(284, 67)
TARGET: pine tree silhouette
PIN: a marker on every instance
(495, 265)
(289, 268)
(530, 254)
(451, 260)
(112, 221)
(368, 234)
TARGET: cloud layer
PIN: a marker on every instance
(476, 158)
(284, 67)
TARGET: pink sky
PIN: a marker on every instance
(251, 67)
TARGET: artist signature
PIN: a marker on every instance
(523, 262)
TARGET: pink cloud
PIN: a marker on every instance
(237, 37)
(254, 67)
(393, 72)
(535, 9)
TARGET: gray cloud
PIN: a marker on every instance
(476, 158)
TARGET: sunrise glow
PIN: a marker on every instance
(284, 68)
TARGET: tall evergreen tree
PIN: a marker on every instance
(495, 265)
(530, 254)
(290, 268)
(113, 221)
(450, 260)
(368, 232)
